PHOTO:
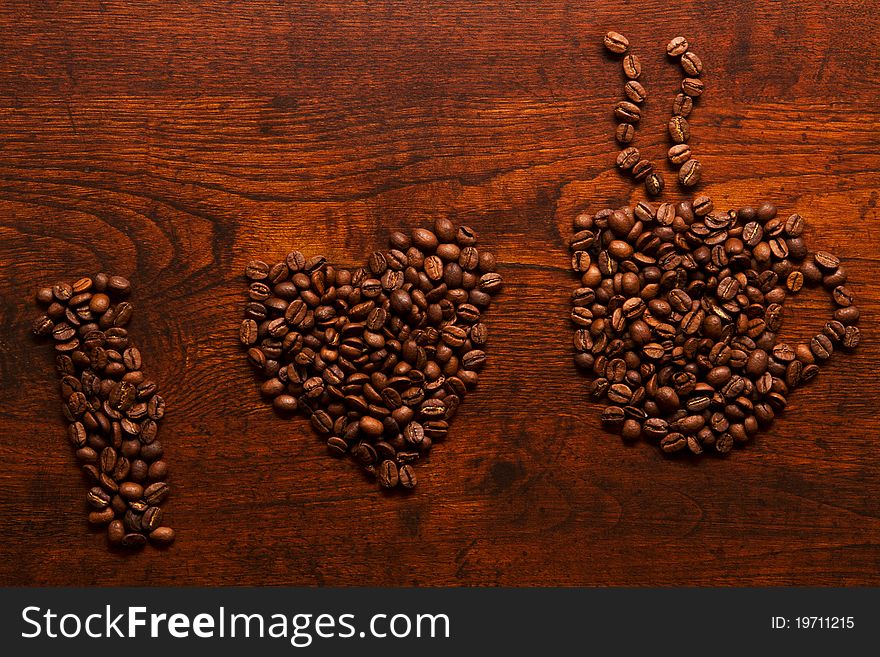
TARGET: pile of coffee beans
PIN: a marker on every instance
(113, 411)
(378, 358)
(628, 113)
(678, 313)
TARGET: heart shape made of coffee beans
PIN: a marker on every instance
(678, 313)
(379, 358)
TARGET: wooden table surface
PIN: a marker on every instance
(172, 142)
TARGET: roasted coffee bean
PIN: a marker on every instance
(821, 347)
(679, 154)
(678, 46)
(131, 358)
(642, 169)
(387, 474)
(847, 315)
(43, 326)
(691, 64)
(852, 337)
(248, 333)
(795, 281)
(683, 105)
(98, 498)
(156, 493)
(673, 442)
(690, 173)
(133, 540)
(151, 519)
(625, 133)
(162, 536)
(702, 206)
(131, 491)
(156, 408)
(628, 112)
(613, 416)
(632, 67)
(679, 130)
(842, 296)
(631, 429)
(407, 476)
(654, 184)
(692, 86)
(635, 91)
(826, 261)
(627, 158)
(256, 270)
(616, 43)
(655, 427)
(123, 314)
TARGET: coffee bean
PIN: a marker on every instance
(682, 105)
(627, 158)
(635, 91)
(248, 333)
(678, 46)
(625, 133)
(654, 184)
(852, 337)
(131, 358)
(98, 498)
(616, 43)
(679, 154)
(827, 261)
(691, 64)
(692, 86)
(673, 442)
(632, 67)
(834, 330)
(795, 281)
(118, 285)
(62, 292)
(642, 169)
(821, 347)
(842, 296)
(156, 493)
(131, 491)
(45, 295)
(407, 476)
(794, 373)
(63, 332)
(156, 408)
(387, 474)
(123, 314)
(133, 540)
(848, 315)
(794, 225)
(161, 536)
(613, 416)
(702, 206)
(256, 270)
(628, 112)
(690, 173)
(679, 130)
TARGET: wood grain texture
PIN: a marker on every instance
(171, 142)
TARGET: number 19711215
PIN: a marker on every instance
(825, 622)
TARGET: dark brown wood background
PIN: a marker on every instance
(172, 142)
